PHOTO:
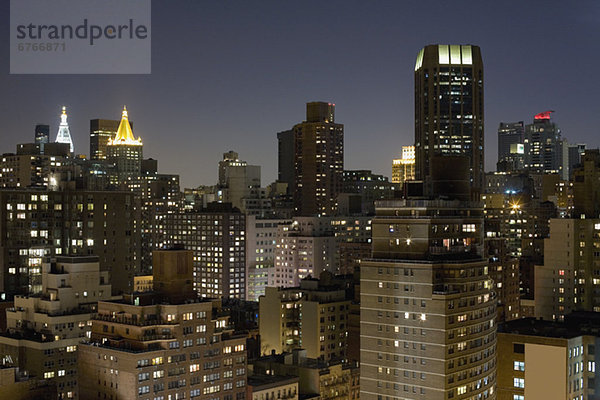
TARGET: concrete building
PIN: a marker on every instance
(449, 108)
(44, 331)
(312, 316)
(403, 169)
(265, 387)
(261, 246)
(427, 306)
(37, 223)
(35, 165)
(237, 180)
(19, 385)
(318, 161)
(586, 186)
(548, 360)
(569, 278)
(217, 236)
(317, 378)
(305, 247)
(167, 343)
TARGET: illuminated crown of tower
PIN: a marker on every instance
(124, 134)
(64, 136)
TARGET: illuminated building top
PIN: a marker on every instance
(543, 115)
(63, 135)
(124, 134)
(453, 54)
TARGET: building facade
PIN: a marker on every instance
(449, 107)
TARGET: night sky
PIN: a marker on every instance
(231, 74)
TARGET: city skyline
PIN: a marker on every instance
(224, 95)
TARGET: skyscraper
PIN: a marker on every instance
(427, 305)
(101, 132)
(509, 133)
(449, 107)
(126, 152)
(318, 161)
(543, 145)
(64, 136)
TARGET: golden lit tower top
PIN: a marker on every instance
(124, 134)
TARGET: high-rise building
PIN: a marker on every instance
(237, 180)
(63, 135)
(44, 331)
(305, 247)
(126, 152)
(567, 280)
(166, 343)
(285, 157)
(42, 133)
(318, 161)
(65, 223)
(449, 107)
(35, 165)
(576, 153)
(543, 145)
(509, 133)
(217, 236)
(403, 169)
(312, 316)
(586, 190)
(427, 304)
(101, 132)
(261, 245)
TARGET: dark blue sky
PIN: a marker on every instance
(230, 74)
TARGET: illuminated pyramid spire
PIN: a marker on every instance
(124, 133)
(63, 135)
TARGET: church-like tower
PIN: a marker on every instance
(64, 136)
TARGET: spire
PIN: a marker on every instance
(64, 136)
(124, 133)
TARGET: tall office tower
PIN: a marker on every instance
(163, 344)
(568, 279)
(285, 158)
(44, 331)
(237, 180)
(64, 136)
(261, 244)
(126, 152)
(318, 161)
(427, 305)
(42, 133)
(312, 316)
(543, 151)
(217, 235)
(403, 169)
(65, 223)
(101, 132)
(509, 133)
(449, 108)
